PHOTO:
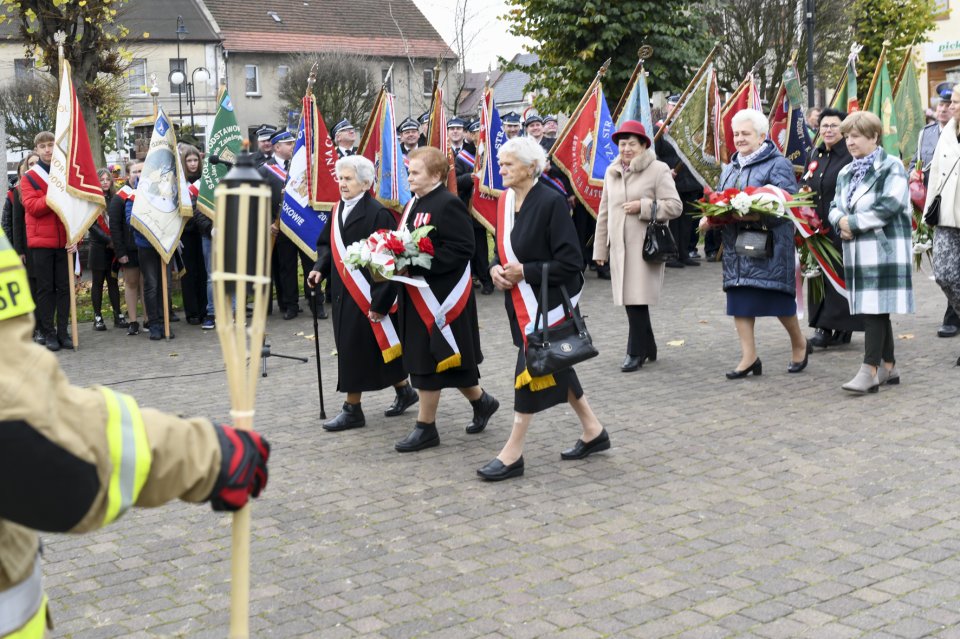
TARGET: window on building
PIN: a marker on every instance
(137, 77)
(252, 75)
(178, 64)
(23, 67)
(383, 79)
(428, 81)
(282, 72)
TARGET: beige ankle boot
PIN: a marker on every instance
(863, 382)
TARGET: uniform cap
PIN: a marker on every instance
(408, 125)
(265, 132)
(511, 118)
(532, 119)
(281, 136)
(342, 125)
(452, 122)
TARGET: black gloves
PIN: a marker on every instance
(243, 468)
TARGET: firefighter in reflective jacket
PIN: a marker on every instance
(75, 459)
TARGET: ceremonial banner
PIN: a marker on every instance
(845, 98)
(381, 145)
(788, 127)
(746, 96)
(73, 188)
(437, 126)
(162, 203)
(322, 166)
(694, 130)
(298, 220)
(880, 103)
(585, 148)
(225, 141)
(908, 107)
(637, 104)
(487, 181)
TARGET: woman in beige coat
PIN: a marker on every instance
(635, 187)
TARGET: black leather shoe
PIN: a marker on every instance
(421, 437)
(821, 339)
(52, 343)
(690, 262)
(486, 289)
(66, 342)
(841, 337)
(406, 397)
(630, 364)
(674, 264)
(483, 410)
(351, 416)
(496, 470)
(98, 324)
(581, 449)
(756, 368)
(947, 330)
(290, 313)
(796, 367)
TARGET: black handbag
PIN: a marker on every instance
(659, 245)
(553, 349)
(755, 242)
(931, 217)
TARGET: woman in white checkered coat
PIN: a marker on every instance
(872, 212)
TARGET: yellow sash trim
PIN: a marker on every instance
(36, 628)
(453, 361)
(536, 383)
(392, 353)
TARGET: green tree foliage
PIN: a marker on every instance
(92, 48)
(343, 88)
(29, 106)
(902, 22)
(574, 37)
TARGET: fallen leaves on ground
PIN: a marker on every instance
(676, 342)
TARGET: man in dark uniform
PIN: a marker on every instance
(409, 131)
(464, 163)
(511, 124)
(690, 190)
(926, 146)
(473, 128)
(345, 137)
(265, 152)
(533, 128)
(550, 127)
(284, 256)
(424, 125)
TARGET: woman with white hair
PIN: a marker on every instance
(364, 331)
(760, 286)
(533, 229)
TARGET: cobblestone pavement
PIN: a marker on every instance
(776, 506)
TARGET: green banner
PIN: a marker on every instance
(224, 140)
(881, 105)
(845, 99)
(908, 107)
(692, 131)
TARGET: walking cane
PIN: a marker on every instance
(316, 344)
(241, 267)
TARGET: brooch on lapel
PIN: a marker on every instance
(421, 219)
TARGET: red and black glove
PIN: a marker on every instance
(243, 468)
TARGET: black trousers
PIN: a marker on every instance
(682, 227)
(640, 340)
(480, 263)
(194, 282)
(878, 339)
(49, 267)
(113, 290)
(950, 317)
(284, 266)
(150, 265)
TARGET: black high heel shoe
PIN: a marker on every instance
(796, 367)
(756, 368)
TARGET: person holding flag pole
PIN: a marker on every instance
(61, 197)
(158, 214)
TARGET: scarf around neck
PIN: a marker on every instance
(859, 168)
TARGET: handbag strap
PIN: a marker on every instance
(542, 305)
(944, 183)
(572, 311)
(653, 212)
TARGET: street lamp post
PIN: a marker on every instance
(191, 93)
(181, 34)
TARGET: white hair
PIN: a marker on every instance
(526, 151)
(759, 121)
(363, 168)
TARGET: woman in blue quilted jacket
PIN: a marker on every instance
(760, 286)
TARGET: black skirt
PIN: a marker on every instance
(99, 257)
(832, 312)
(529, 401)
(451, 378)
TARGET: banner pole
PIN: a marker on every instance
(583, 100)
(683, 96)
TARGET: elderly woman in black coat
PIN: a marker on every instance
(368, 346)
(534, 229)
(830, 315)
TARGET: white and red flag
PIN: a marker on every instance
(73, 188)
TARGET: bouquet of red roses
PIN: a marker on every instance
(386, 252)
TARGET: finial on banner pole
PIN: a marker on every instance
(60, 37)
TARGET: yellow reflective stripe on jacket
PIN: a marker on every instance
(23, 608)
(129, 453)
(36, 628)
(15, 298)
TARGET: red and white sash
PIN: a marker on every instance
(277, 170)
(194, 190)
(126, 193)
(359, 289)
(437, 316)
(525, 302)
